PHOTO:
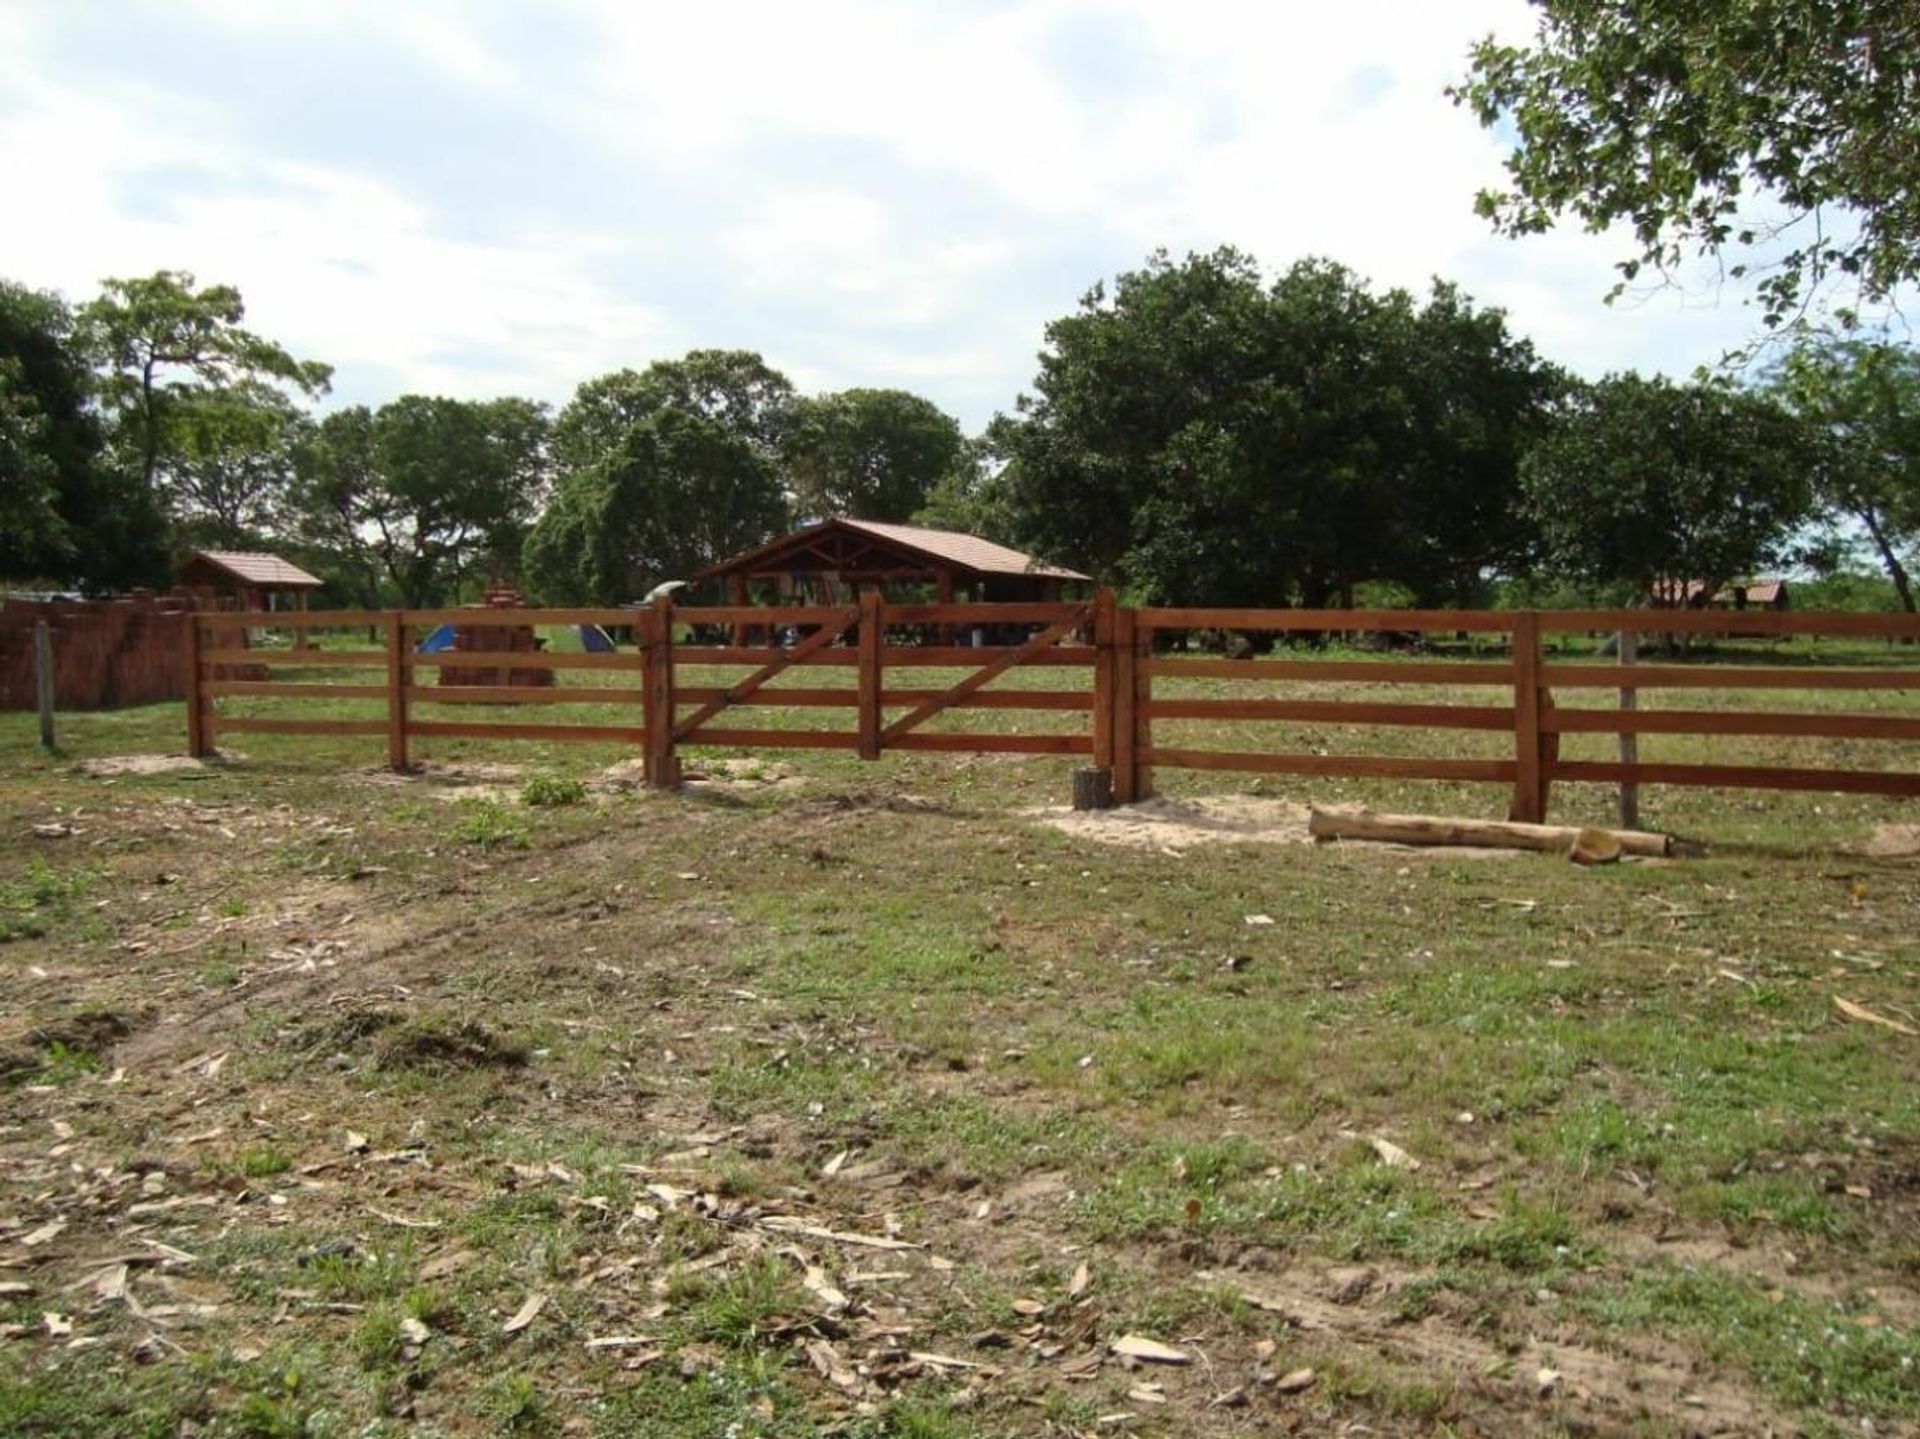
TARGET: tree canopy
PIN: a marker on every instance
(1862, 400)
(678, 491)
(67, 514)
(1778, 130)
(425, 493)
(162, 343)
(1657, 485)
(1200, 435)
(869, 454)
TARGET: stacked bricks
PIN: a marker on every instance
(496, 639)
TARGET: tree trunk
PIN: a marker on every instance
(1897, 572)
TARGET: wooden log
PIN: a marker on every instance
(1093, 788)
(1492, 834)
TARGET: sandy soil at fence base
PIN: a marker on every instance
(1891, 841)
(1161, 823)
(1171, 826)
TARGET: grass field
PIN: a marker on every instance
(857, 1099)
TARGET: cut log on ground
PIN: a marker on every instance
(1487, 833)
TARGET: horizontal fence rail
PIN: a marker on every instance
(1138, 680)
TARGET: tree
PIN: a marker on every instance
(1655, 485)
(1781, 130)
(869, 454)
(1202, 437)
(161, 343)
(681, 491)
(660, 472)
(66, 514)
(426, 493)
(736, 389)
(233, 473)
(1862, 399)
(1476, 399)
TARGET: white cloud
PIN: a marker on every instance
(872, 193)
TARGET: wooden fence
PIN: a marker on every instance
(1124, 652)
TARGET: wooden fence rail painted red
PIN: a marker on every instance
(1121, 648)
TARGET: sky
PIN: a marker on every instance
(479, 199)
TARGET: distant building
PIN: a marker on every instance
(1754, 594)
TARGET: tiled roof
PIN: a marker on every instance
(963, 549)
(267, 571)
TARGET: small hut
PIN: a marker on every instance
(255, 581)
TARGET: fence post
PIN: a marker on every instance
(1103, 673)
(1627, 648)
(662, 764)
(1529, 777)
(872, 636)
(197, 745)
(1140, 718)
(43, 679)
(396, 692)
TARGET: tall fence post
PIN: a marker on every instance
(1529, 773)
(872, 637)
(1628, 650)
(1142, 717)
(662, 764)
(396, 692)
(43, 679)
(195, 691)
(1103, 676)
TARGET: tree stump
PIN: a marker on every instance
(1093, 789)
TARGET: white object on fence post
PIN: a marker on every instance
(1628, 648)
(43, 679)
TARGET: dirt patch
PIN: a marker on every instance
(148, 764)
(450, 772)
(1645, 1381)
(90, 1035)
(438, 1042)
(1161, 823)
(1891, 841)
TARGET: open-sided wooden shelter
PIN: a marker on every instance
(832, 561)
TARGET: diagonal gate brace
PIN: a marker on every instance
(734, 694)
(1045, 640)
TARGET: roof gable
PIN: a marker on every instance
(940, 548)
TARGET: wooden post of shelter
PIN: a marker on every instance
(1628, 650)
(872, 637)
(943, 592)
(396, 692)
(1529, 775)
(662, 764)
(737, 594)
(43, 679)
(197, 745)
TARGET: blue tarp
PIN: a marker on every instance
(439, 642)
(596, 641)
